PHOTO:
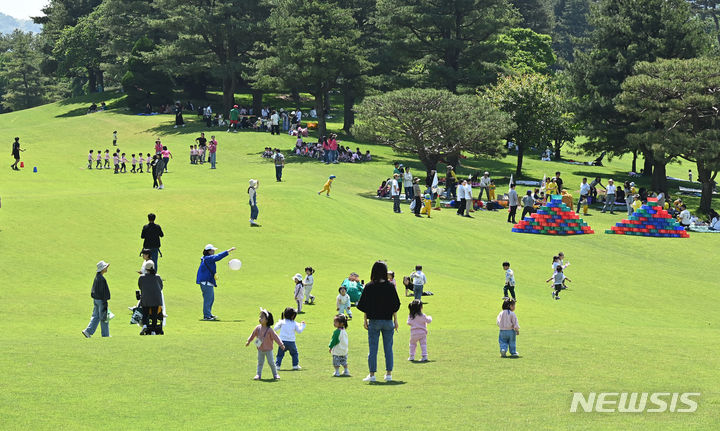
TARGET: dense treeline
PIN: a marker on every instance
(553, 68)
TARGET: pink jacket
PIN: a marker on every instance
(332, 143)
(268, 336)
(418, 324)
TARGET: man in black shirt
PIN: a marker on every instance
(152, 233)
(202, 143)
(559, 181)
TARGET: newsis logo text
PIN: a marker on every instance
(635, 402)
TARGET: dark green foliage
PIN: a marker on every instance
(537, 15)
(141, 83)
(526, 51)
(571, 28)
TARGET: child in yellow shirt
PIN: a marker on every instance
(491, 190)
(427, 207)
(326, 187)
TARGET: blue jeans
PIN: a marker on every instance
(291, 348)
(417, 291)
(507, 338)
(99, 314)
(253, 212)
(208, 293)
(212, 160)
(154, 256)
(375, 327)
(278, 173)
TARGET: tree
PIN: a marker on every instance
(141, 83)
(532, 102)
(677, 106)
(20, 72)
(433, 124)
(526, 51)
(78, 52)
(625, 33)
(310, 61)
(537, 15)
(710, 10)
(451, 43)
(571, 28)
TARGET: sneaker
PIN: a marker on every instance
(336, 374)
(411, 358)
(346, 373)
(369, 378)
(515, 355)
(388, 378)
(210, 318)
(424, 360)
(276, 377)
(297, 367)
(552, 293)
(557, 297)
(86, 334)
(256, 378)
(503, 353)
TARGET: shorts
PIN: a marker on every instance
(340, 361)
(233, 122)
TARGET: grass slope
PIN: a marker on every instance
(640, 315)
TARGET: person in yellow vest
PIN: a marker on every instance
(427, 206)
(326, 187)
(491, 191)
(551, 188)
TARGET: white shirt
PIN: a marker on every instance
(610, 189)
(308, 282)
(299, 115)
(407, 178)
(394, 189)
(584, 189)
(288, 328)
(484, 181)
(468, 192)
(685, 217)
(418, 278)
(509, 277)
(343, 300)
(341, 349)
(275, 119)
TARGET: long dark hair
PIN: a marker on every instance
(289, 313)
(415, 308)
(379, 271)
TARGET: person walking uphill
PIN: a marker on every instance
(379, 302)
(252, 194)
(152, 233)
(279, 160)
(206, 278)
(100, 294)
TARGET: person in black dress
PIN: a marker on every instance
(16, 154)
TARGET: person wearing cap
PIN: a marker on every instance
(151, 234)
(326, 187)
(151, 300)
(584, 193)
(395, 193)
(485, 185)
(279, 161)
(234, 116)
(252, 194)
(206, 278)
(610, 196)
(100, 293)
(513, 202)
(417, 195)
(274, 123)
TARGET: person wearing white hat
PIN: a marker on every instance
(151, 300)
(206, 278)
(610, 196)
(485, 185)
(299, 291)
(100, 294)
(252, 193)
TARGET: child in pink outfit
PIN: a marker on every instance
(265, 338)
(418, 329)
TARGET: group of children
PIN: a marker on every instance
(119, 161)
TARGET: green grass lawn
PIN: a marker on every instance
(641, 314)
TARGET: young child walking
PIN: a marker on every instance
(116, 162)
(308, 282)
(115, 138)
(418, 329)
(90, 159)
(299, 292)
(419, 281)
(98, 165)
(558, 279)
(264, 337)
(509, 281)
(287, 327)
(192, 154)
(106, 165)
(123, 161)
(328, 184)
(149, 163)
(343, 302)
(509, 328)
(339, 345)
(134, 164)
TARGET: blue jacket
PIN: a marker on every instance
(206, 271)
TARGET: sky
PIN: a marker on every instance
(22, 9)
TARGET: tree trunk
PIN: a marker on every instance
(101, 79)
(296, 97)
(518, 169)
(228, 92)
(705, 177)
(453, 160)
(659, 179)
(257, 96)
(634, 162)
(648, 161)
(558, 145)
(326, 100)
(348, 112)
(320, 108)
(92, 81)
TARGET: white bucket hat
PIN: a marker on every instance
(253, 183)
(102, 265)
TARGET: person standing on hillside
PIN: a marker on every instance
(206, 278)
(16, 154)
(233, 116)
(212, 150)
(100, 294)
(279, 161)
(252, 195)
(274, 123)
(152, 233)
(485, 185)
(513, 203)
(202, 144)
(450, 182)
(395, 193)
(178, 116)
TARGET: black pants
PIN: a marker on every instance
(418, 205)
(526, 211)
(451, 190)
(461, 206)
(511, 214)
(396, 203)
(510, 289)
(275, 129)
(123, 168)
(278, 173)
(151, 315)
(166, 160)
(155, 183)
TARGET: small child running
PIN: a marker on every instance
(116, 162)
(343, 302)
(287, 328)
(265, 338)
(418, 329)
(149, 163)
(115, 138)
(558, 281)
(509, 281)
(509, 328)
(339, 345)
(326, 187)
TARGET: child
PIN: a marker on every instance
(427, 205)
(299, 292)
(418, 329)
(134, 164)
(166, 156)
(100, 294)
(509, 329)
(98, 164)
(141, 161)
(265, 337)
(343, 302)
(192, 154)
(509, 281)
(690, 175)
(637, 203)
(491, 191)
(326, 187)
(90, 159)
(123, 160)
(558, 281)
(115, 138)
(288, 327)
(308, 285)
(339, 345)
(149, 163)
(556, 263)
(116, 161)
(106, 165)
(418, 280)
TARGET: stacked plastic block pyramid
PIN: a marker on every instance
(650, 220)
(555, 218)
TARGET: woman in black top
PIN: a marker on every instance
(151, 299)
(380, 303)
(16, 154)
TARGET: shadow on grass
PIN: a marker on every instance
(511, 357)
(390, 383)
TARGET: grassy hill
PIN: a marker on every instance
(640, 315)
